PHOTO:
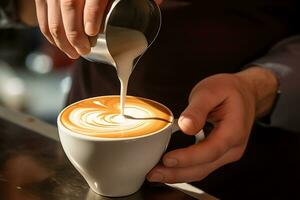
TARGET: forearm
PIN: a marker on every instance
(284, 61)
(264, 85)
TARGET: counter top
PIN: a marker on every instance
(33, 166)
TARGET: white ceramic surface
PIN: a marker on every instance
(115, 166)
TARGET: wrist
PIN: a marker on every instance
(264, 85)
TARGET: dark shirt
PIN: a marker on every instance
(197, 39)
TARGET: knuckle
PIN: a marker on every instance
(55, 30)
(171, 178)
(73, 37)
(237, 154)
(60, 45)
(186, 161)
(218, 152)
(187, 156)
(68, 4)
(45, 30)
(235, 139)
(229, 141)
(236, 157)
(92, 11)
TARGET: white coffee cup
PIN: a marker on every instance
(115, 166)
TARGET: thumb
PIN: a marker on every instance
(192, 119)
(201, 103)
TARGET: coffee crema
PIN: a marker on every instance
(100, 117)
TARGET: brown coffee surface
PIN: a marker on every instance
(100, 117)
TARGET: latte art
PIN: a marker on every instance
(100, 117)
(92, 119)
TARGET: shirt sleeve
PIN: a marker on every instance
(284, 60)
(8, 15)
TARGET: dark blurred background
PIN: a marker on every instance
(34, 75)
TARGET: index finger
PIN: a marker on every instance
(227, 133)
(218, 142)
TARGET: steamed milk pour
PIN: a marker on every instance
(130, 26)
(125, 46)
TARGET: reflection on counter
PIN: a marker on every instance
(33, 167)
(148, 192)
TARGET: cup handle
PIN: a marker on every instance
(175, 126)
(199, 136)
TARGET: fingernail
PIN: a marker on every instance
(89, 29)
(187, 122)
(156, 177)
(170, 162)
